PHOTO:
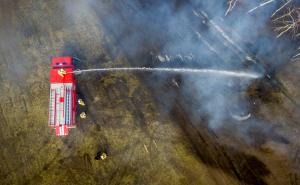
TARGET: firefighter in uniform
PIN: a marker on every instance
(81, 108)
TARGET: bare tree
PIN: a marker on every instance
(285, 19)
(261, 5)
(287, 22)
(231, 5)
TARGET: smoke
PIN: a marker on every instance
(194, 34)
(12, 61)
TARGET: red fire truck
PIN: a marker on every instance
(62, 105)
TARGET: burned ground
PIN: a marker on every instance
(153, 126)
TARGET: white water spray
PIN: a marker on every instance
(216, 72)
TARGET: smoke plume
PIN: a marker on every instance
(194, 34)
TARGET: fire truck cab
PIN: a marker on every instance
(62, 104)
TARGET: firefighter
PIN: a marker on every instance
(101, 155)
(61, 72)
(82, 115)
(81, 102)
(81, 109)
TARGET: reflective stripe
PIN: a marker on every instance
(52, 107)
(62, 130)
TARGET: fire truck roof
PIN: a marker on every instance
(65, 61)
